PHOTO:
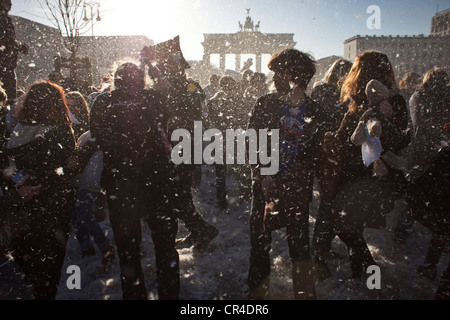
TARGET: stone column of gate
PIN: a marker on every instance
(258, 63)
(206, 57)
(237, 61)
(222, 62)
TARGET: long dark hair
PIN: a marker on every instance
(45, 104)
(367, 66)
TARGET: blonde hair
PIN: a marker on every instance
(411, 81)
(3, 97)
(337, 72)
(436, 76)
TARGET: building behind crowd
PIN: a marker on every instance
(45, 43)
(406, 53)
(416, 53)
(440, 23)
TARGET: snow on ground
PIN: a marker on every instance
(220, 272)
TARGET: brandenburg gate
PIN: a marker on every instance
(248, 40)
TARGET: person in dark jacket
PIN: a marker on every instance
(127, 124)
(21, 194)
(9, 53)
(13, 194)
(430, 106)
(328, 92)
(213, 87)
(184, 99)
(410, 82)
(300, 123)
(327, 95)
(42, 145)
(221, 115)
(258, 88)
(353, 202)
(428, 200)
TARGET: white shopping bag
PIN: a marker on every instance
(371, 149)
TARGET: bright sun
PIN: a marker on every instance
(154, 18)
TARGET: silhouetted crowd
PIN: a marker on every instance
(368, 142)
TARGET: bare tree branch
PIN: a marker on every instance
(67, 17)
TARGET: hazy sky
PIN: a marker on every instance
(320, 26)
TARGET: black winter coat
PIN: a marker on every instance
(128, 131)
(393, 140)
(266, 114)
(52, 157)
(430, 111)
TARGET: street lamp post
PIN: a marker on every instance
(92, 7)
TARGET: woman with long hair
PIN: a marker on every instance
(43, 145)
(363, 200)
(370, 65)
